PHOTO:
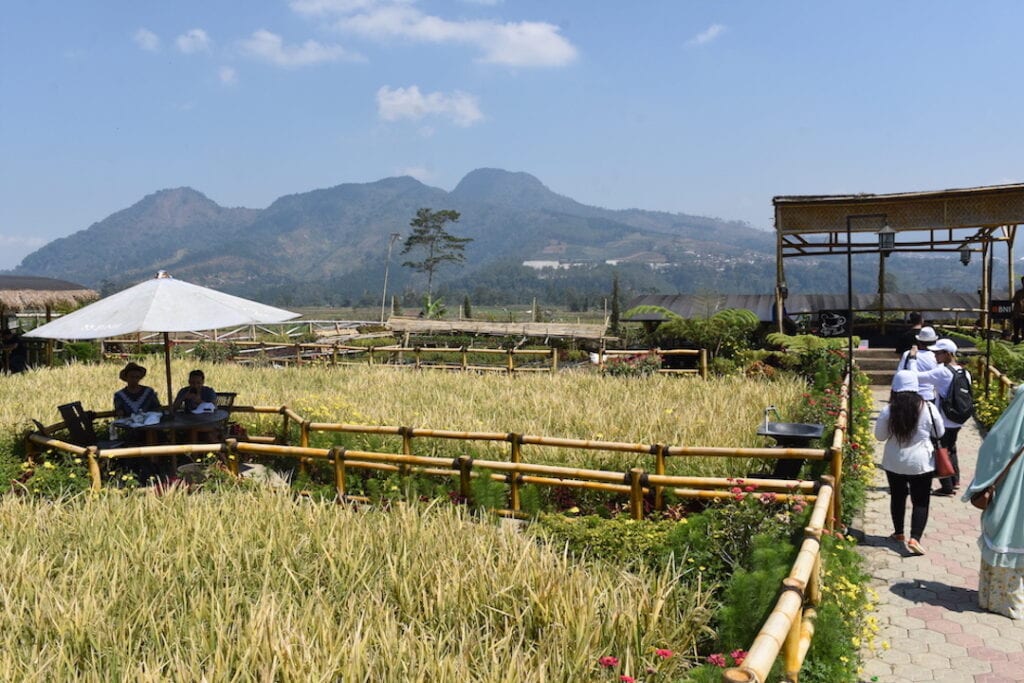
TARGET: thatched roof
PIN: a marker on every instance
(427, 326)
(27, 292)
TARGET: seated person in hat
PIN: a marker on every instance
(189, 398)
(134, 397)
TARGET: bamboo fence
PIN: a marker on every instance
(787, 631)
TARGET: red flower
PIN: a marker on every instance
(717, 659)
(627, 679)
(749, 487)
(664, 654)
(738, 656)
(735, 489)
(608, 661)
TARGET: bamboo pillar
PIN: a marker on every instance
(406, 433)
(334, 354)
(514, 477)
(416, 355)
(94, 468)
(791, 645)
(511, 362)
(465, 359)
(465, 476)
(232, 455)
(636, 493)
(704, 363)
(338, 457)
(554, 360)
(304, 433)
(659, 468)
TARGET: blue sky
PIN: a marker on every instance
(709, 108)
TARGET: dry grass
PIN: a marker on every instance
(144, 588)
(579, 405)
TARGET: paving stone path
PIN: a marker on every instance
(927, 605)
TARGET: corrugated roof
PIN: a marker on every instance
(931, 305)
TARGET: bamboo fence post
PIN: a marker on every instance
(94, 468)
(338, 456)
(465, 358)
(554, 360)
(416, 355)
(659, 469)
(284, 422)
(465, 465)
(406, 433)
(298, 354)
(514, 477)
(636, 492)
(791, 645)
(370, 356)
(232, 455)
(334, 354)
(704, 363)
(511, 362)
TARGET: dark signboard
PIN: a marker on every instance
(832, 324)
(1000, 309)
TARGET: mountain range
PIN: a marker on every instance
(330, 246)
(343, 232)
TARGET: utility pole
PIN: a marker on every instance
(387, 265)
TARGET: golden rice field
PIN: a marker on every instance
(252, 585)
(679, 411)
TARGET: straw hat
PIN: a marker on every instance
(131, 367)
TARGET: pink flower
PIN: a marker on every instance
(627, 679)
(608, 661)
(738, 656)
(736, 489)
(717, 659)
(664, 654)
(749, 487)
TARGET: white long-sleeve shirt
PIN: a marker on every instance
(916, 456)
(925, 362)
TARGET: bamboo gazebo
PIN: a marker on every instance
(20, 293)
(958, 221)
(30, 293)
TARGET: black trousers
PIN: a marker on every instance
(919, 487)
(948, 439)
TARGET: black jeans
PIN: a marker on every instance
(948, 439)
(919, 486)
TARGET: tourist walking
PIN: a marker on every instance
(940, 378)
(925, 359)
(1001, 579)
(907, 426)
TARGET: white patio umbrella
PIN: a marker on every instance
(162, 304)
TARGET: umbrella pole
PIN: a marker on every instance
(167, 368)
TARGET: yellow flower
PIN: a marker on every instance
(72, 475)
(49, 465)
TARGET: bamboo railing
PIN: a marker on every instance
(1003, 382)
(788, 629)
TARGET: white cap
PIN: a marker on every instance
(905, 380)
(926, 335)
(946, 345)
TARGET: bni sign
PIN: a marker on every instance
(1000, 309)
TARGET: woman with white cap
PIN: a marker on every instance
(940, 378)
(907, 426)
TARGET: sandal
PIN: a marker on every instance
(914, 546)
(898, 538)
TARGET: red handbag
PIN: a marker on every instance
(943, 463)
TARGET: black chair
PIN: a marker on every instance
(81, 432)
(225, 400)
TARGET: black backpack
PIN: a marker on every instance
(958, 403)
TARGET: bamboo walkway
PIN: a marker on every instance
(927, 608)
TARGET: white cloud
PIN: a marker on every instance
(192, 41)
(524, 43)
(322, 7)
(409, 103)
(146, 39)
(707, 35)
(270, 48)
(227, 75)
